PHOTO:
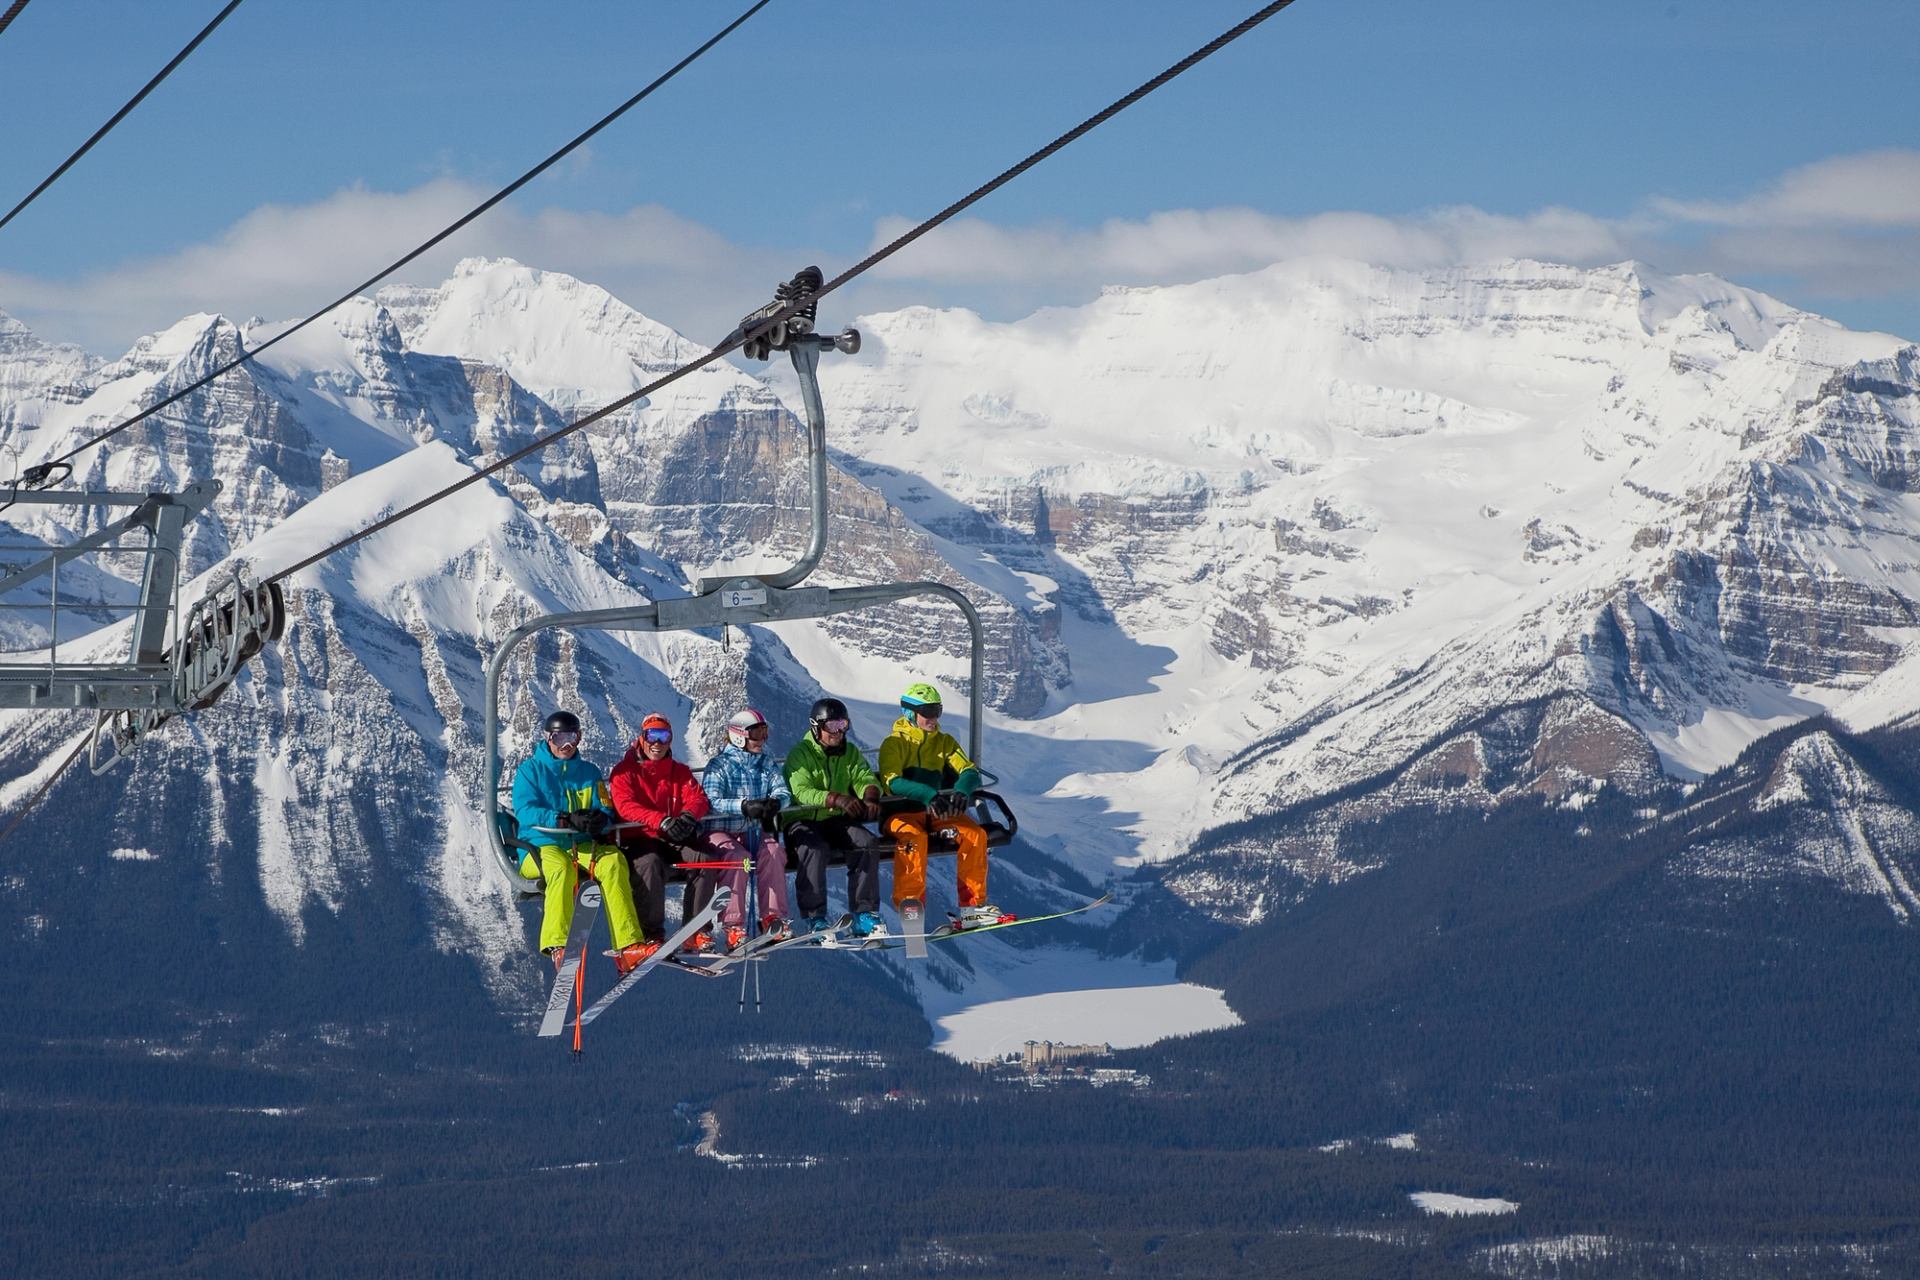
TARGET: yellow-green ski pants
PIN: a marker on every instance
(562, 872)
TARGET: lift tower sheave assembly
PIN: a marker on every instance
(172, 664)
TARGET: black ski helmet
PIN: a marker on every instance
(825, 709)
(563, 722)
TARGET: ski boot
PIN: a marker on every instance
(984, 914)
(868, 924)
(633, 955)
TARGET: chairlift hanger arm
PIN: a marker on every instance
(794, 334)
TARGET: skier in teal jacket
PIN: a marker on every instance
(561, 803)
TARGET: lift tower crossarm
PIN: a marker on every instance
(151, 511)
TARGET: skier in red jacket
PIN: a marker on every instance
(651, 788)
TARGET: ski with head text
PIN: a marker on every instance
(951, 930)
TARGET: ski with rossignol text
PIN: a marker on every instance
(585, 913)
(698, 921)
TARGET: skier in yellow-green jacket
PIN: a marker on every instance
(920, 762)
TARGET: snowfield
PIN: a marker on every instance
(1070, 997)
(1453, 1206)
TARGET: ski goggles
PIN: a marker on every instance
(758, 733)
(931, 710)
(564, 737)
(835, 726)
(656, 735)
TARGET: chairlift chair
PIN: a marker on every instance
(745, 601)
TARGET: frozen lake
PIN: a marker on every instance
(1072, 996)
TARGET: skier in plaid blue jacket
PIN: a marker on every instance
(743, 779)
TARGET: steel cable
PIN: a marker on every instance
(13, 11)
(738, 340)
(123, 112)
(394, 266)
(20, 814)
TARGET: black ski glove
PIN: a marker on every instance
(762, 810)
(574, 821)
(946, 804)
(680, 829)
(597, 821)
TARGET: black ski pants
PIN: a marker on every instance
(809, 845)
(650, 887)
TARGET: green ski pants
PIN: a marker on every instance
(562, 871)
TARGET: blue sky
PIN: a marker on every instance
(306, 144)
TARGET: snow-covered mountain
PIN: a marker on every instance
(1330, 515)
(1242, 546)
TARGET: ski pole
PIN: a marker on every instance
(580, 974)
(753, 897)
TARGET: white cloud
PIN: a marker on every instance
(278, 260)
(284, 261)
(1870, 189)
(1845, 228)
(1192, 244)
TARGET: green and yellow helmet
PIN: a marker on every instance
(921, 697)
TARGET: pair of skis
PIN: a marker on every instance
(834, 938)
(566, 980)
(567, 988)
(566, 984)
(951, 929)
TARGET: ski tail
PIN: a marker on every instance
(566, 983)
(913, 924)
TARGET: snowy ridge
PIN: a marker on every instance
(1239, 544)
(1358, 508)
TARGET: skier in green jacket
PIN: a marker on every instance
(830, 777)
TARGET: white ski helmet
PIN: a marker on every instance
(744, 721)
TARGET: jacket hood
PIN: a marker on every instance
(812, 744)
(904, 727)
(544, 754)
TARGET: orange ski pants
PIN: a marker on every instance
(909, 832)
